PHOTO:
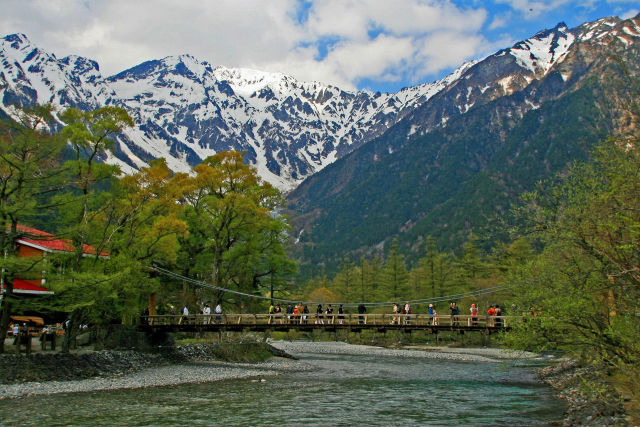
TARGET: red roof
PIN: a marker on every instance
(48, 243)
(23, 287)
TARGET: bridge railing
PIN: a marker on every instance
(320, 320)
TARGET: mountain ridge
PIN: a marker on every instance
(396, 185)
(186, 109)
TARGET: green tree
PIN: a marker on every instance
(375, 278)
(29, 173)
(471, 260)
(346, 280)
(136, 225)
(585, 285)
(395, 274)
(364, 279)
(236, 238)
(435, 270)
(87, 287)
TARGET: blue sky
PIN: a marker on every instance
(356, 44)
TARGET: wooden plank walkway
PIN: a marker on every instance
(329, 322)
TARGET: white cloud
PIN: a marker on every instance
(629, 14)
(499, 21)
(377, 39)
(446, 50)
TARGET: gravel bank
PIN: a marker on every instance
(154, 377)
(466, 355)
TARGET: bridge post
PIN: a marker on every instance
(152, 304)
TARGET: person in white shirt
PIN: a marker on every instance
(185, 313)
(207, 314)
(218, 312)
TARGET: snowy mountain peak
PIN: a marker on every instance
(186, 109)
(16, 41)
(249, 82)
(538, 53)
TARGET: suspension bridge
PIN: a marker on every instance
(328, 321)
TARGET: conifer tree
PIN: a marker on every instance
(395, 274)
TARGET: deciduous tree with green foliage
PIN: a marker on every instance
(87, 286)
(236, 235)
(585, 285)
(29, 173)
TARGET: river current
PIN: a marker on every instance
(339, 390)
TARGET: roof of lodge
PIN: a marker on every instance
(49, 243)
(26, 287)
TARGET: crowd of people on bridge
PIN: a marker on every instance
(401, 314)
(300, 313)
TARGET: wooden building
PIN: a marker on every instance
(37, 243)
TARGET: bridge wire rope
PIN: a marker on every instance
(421, 301)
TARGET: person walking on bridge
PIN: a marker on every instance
(305, 314)
(407, 311)
(319, 317)
(207, 314)
(395, 310)
(362, 309)
(474, 315)
(455, 311)
(185, 313)
(278, 312)
(329, 313)
(430, 313)
(218, 311)
(498, 320)
(490, 316)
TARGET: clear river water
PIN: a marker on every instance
(340, 390)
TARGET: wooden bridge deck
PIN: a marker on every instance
(328, 322)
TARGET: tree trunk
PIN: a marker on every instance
(71, 331)
(5, 319)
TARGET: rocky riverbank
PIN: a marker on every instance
(43, 367)
(601, 407)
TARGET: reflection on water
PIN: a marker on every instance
(343, 390)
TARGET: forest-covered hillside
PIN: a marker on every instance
(465, 176)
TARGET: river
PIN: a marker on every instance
(333, 389)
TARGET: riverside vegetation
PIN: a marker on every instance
(214, 223)
(571, 260)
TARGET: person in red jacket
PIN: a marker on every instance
(491, 313)
(474, 315)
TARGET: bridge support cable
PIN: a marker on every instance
(422, 301)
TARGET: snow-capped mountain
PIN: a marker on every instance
(457, 163)
(186, 109)
(516, 70)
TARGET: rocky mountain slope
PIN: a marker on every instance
(457, 162)
(186, 109)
